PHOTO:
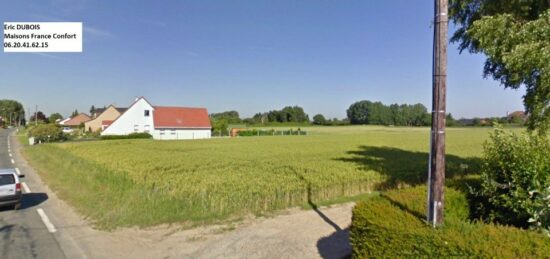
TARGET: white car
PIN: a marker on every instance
(10, 188)
(67, 130)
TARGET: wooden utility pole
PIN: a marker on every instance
(436, 174)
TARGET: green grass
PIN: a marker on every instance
(22, 137)
(145, 182)
(392, 226)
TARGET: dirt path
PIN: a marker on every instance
(298, 234)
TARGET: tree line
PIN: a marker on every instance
(377, 113)
(363, 112)
(11, 112)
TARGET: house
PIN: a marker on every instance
(516, 117)
(161, 122)
(103, 118)
(76, 120)
(62, 122)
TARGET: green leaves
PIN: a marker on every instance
(515, 179)
(515, 36)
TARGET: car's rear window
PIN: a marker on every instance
(6, 179)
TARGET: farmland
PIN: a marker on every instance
(145, 182)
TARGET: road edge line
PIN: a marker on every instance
(46, 220)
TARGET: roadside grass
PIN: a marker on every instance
(22, 137)
(123, 183)
(393, 225)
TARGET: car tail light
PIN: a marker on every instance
(18, 187)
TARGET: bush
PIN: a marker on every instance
(142, 135)
(516, 180)
(272, 132)
(47, 133)
(393, 226)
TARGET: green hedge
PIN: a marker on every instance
(392, 225)
(129, 136)
(272, 132)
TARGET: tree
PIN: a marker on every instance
(358, 112)
(319, 119)
(40, 116)
(376, 113)
(450, 121)
(12, 111)
(287, 114)
(54, 117)
(229, 116)
(513, 35)
(92, 110)
(260, 118)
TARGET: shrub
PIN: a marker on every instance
(272, 132)
(142, 135)
(392, 226)
(515, 179)
(47, 133)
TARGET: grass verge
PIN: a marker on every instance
(392, 225)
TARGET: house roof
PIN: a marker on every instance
(63, 121)
(106, 122)
(99, 111)
(76, 120)
(180, 117)
(516, 114)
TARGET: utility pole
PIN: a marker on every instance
(36, 115)
(436, 174)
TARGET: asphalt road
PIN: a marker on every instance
(23, 233)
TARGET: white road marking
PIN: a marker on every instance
(25, 187)
(17, 171)
(12, 161)
(46, 220)
(10, 155)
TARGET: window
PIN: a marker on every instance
(136, 128)
(6, 179)
(162, 132)
(146, 113)
(173, 132)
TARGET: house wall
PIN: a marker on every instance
(133, 120)
(173, 134)
(109, 114)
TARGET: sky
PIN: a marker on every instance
(250, 56)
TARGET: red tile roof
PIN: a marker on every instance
(106, 122)
(77, 120)
(180, 117)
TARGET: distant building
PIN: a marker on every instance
(161, 122)
(76, 120)
(102, 118)
(62, 122)
(465, 122)
(516, 117)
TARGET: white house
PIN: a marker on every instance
(161, 122)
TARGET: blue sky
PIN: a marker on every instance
(248, 56)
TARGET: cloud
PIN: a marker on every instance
(96, 32)
(191, 53)
(46, 55)
(45, 18)
(156, 23)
